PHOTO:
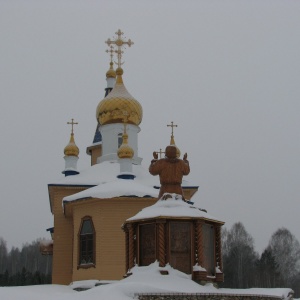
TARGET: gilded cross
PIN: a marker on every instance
(111, 51)
(72, 123)
(119, 42)
(172, 126)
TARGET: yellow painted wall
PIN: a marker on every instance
(62, 237)
(108, 216)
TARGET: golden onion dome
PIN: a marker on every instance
(111, 73)
(172, 142)
(71, 149)
(119, 103)
(177, 152)
(125, 151)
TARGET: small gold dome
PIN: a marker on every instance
(71, 149)
(119, 71)
(125, 151)
(172, 142)
(177, 152)
(111, 73)
(119, 103)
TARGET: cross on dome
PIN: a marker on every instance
(172, 126)
(172, 141)
(119, 42)
(125, 120)
(111, 51)
(125, 151)
(71, 149)
(72, 123)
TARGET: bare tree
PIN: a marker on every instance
(239, 257)
(267, 271)
(286, 250)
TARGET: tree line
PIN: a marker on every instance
(277, 266)
(25, 266)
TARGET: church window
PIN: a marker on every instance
(87, 242)
(120, 139)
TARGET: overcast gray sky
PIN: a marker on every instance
(227, 72)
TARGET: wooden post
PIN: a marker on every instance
(219, 273)
(161, 243)
(130, 246)
(199, 275)
(199, 243)
(126, 248)
(219, 248)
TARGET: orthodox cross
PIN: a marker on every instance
(119, 42)
(172, 126)
(72, 123)
(111, 51)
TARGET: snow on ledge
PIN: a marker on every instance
(196, 267)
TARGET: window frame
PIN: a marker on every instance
(80, 235)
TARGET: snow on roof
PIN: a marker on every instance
(108, 171)
(104, 177)
(116, 188)
(46, 242)
(143, 280)
(172, 207)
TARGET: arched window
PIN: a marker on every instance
(86, 242)
(120, 139)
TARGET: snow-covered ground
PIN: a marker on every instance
(143, 280)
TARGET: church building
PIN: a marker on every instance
(93, 209)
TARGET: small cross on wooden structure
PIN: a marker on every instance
(72, 123)
(160, 152)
